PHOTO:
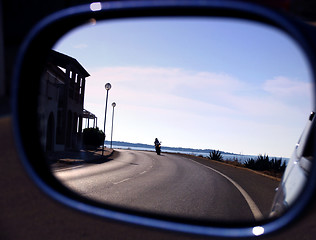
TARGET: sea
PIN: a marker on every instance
(196, 152)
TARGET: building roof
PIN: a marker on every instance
(64, 61)
(87, 114)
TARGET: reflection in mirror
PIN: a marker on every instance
(224, 100)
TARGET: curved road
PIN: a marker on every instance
(174, 184)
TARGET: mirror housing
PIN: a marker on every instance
(29, 68)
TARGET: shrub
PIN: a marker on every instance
(216, 155)
(250, 163)
(93, 138)
(263, 163)
(277, 165)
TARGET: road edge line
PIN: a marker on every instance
(252, 205)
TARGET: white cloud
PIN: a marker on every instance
(156, 85)
(285, 87)
(165, 78)
(81, 46)
(199, 108)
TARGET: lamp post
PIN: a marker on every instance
(107, 88)
(113, 105)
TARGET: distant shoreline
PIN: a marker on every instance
(190, 151)
(142, 145)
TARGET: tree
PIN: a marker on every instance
(93, 138)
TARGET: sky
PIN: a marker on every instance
(205, 83)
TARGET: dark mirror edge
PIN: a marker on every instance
(33, 53)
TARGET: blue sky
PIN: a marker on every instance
(214, 83)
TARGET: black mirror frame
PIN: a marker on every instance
(25, 87)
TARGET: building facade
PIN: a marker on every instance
(61, 99)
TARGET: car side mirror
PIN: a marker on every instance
(230, 78)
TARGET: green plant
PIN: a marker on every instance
(250, 163)
(216, 155)
(263, 163)
(93, 137)
(277, 165)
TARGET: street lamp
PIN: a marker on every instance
(107, 88)
(113, 105)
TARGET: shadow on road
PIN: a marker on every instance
(62, 159)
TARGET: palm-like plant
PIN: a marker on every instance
(216, 155)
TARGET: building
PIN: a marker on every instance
(61, 99)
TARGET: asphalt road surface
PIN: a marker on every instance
(173, 184)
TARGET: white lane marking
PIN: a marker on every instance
(252, 205)
(124, 180)
(67, 168)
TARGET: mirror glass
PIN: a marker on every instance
(225, 100)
